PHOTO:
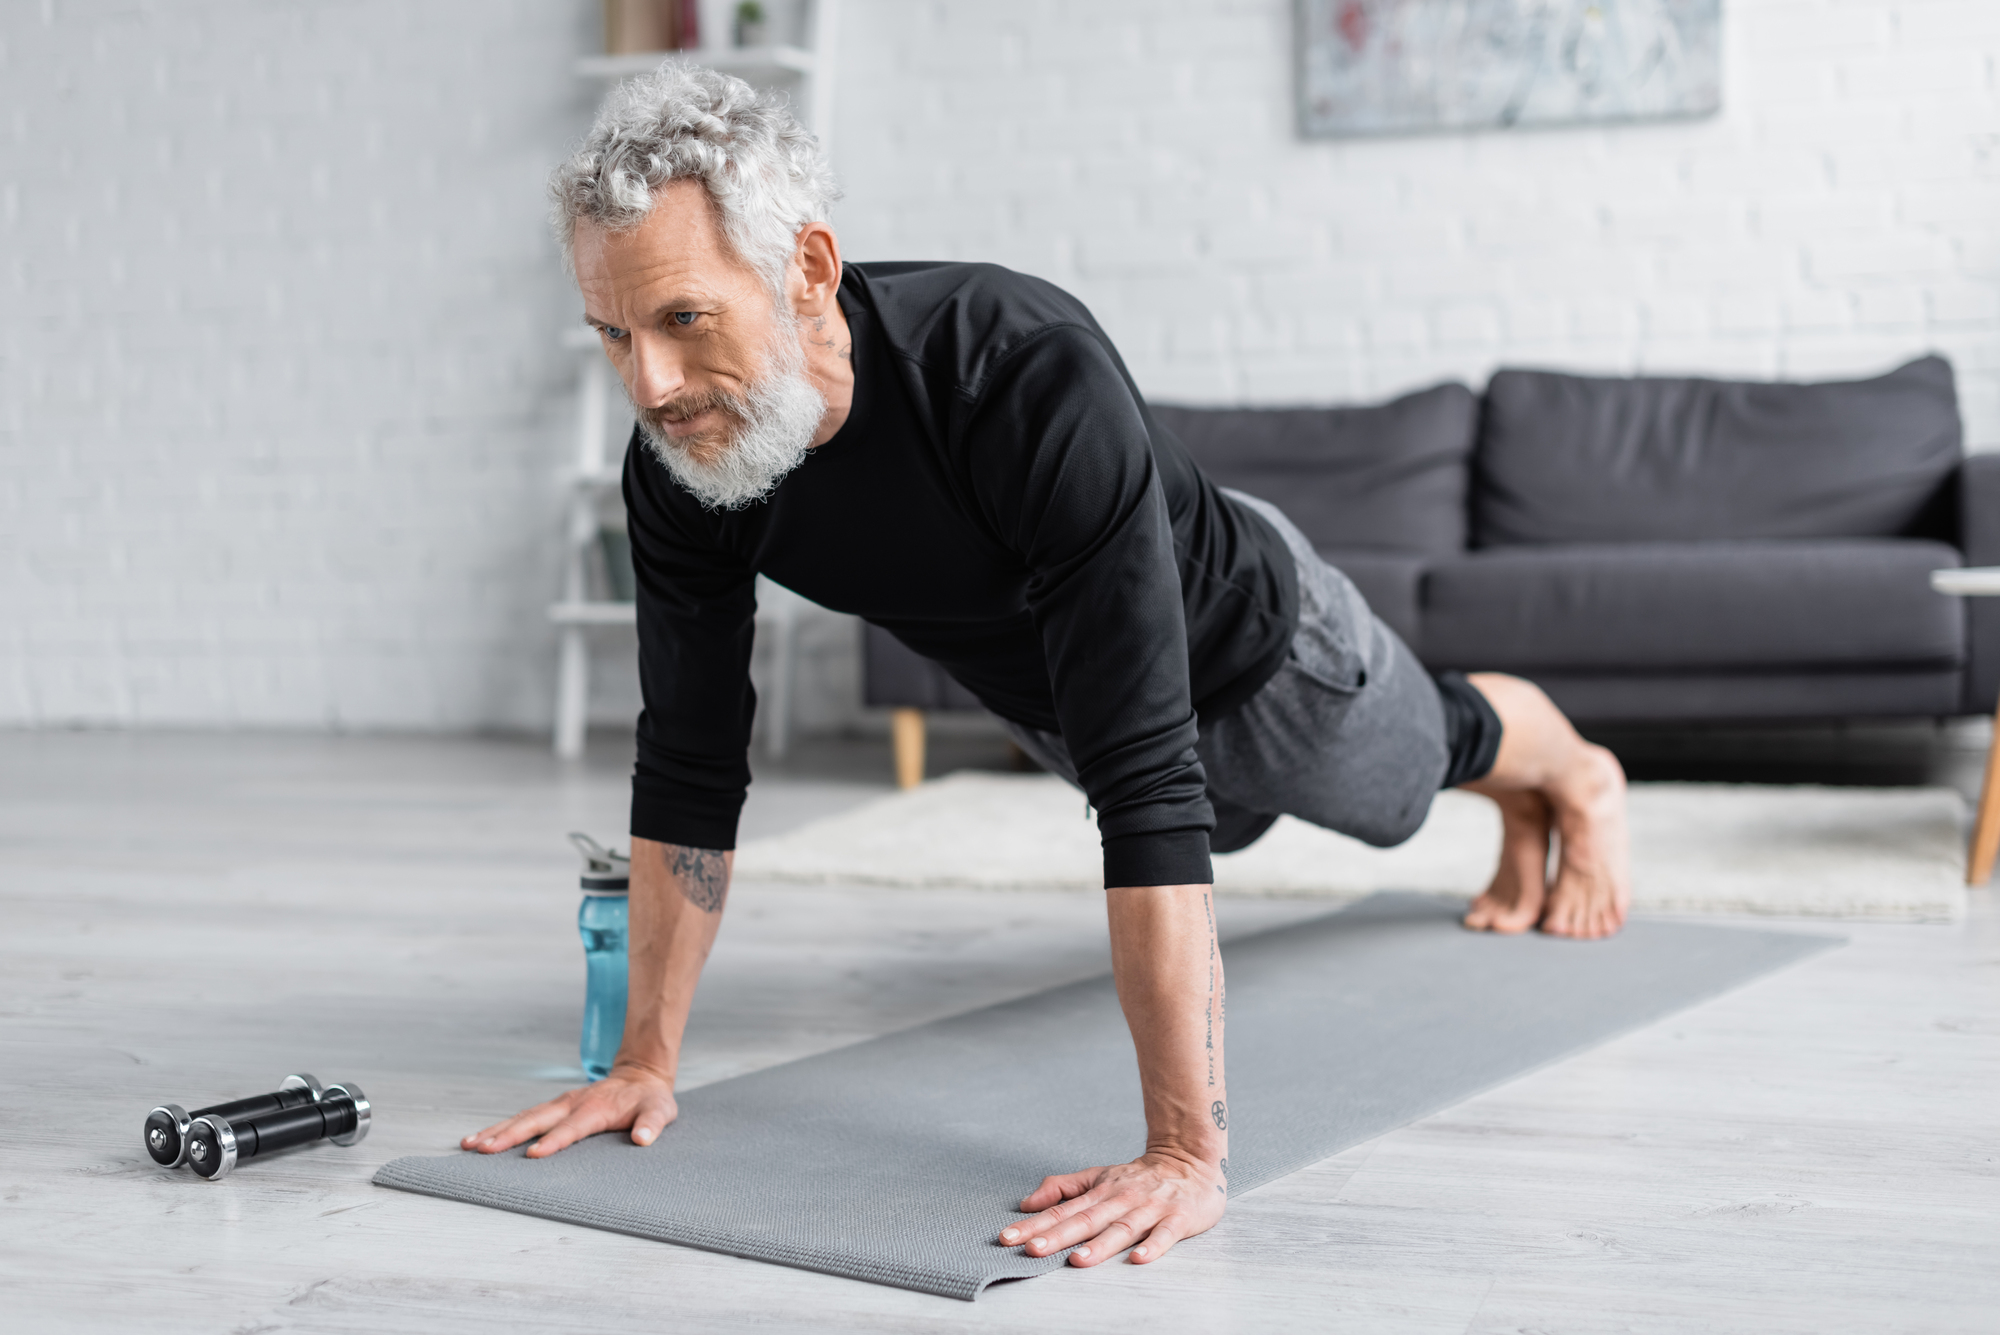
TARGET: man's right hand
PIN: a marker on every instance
(631, 1096)
(675, 906)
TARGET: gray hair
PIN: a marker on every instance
(763, 172)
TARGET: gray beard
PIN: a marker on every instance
(775, 419)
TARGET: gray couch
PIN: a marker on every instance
(1648, 550)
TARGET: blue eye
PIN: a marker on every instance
(612, 332)
(684, 318)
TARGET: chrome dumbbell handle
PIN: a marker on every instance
(217, 1143)
(166, 1126)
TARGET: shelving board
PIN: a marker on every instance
(748, 62)
(593, 614)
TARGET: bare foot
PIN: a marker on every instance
(1593, 887)
(1514, 900)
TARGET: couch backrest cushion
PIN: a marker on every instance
(1566, 458)
(1387, 478)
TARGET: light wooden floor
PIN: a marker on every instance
(188, 917)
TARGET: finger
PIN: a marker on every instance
(1117, 1235)
(1034, 1232)
(1114, 1224)
(584, 1121)
(521, 1126)
(515, 1129)
(1060, 1187)
(1079, 1196)
(654, 1115)
(1084, 1218)
(1158, 1242)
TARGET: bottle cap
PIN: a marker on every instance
(604, 872)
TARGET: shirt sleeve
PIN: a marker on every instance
(697, 607)
(1060, 458)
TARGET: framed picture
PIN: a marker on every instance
(1401, 66)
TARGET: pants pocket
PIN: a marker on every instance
(1329, 658)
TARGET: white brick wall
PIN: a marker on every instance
(279, 409)
(1840, 215)
(278, 396)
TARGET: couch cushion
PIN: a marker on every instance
(1565, 458)
(1734, 605)
(1713, 697)
(896, 675)
(1391, 583)
(1386, 478)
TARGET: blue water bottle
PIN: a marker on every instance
(607, 878)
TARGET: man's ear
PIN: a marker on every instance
(815, 276)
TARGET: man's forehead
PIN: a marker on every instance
(681, 229)
(677, 252)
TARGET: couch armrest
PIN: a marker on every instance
(1979, 539)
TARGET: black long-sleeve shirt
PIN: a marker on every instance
(1000, 500)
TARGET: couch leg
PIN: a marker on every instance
(1986, 827)
(906, 727)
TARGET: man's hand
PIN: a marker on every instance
(1154, 1202)
(675, 906)
(1168, 966)
(629, 1096)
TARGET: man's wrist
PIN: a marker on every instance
(658, 1063)
(1210, 1148)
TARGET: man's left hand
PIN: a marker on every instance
(1147, 1205)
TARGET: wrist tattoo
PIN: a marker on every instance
(704, 880)
(1220, 1114)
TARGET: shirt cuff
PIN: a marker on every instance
(1162, 857)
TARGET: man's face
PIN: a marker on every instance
(712, 367)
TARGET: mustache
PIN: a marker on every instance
(689, 406)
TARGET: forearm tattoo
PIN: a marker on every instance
(1212, 998)
(703, 876)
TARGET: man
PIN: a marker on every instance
(956, 453)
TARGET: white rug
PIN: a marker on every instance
(1834, 852)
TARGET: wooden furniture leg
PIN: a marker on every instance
(1986, 828)
(906, 727)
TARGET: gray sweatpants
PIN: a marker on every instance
(1348, 735)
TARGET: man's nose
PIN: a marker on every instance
(655, 370)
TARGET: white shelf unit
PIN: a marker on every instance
(586, 481)
(805, 74)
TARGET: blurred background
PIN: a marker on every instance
(288, 421)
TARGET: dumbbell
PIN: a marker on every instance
(167, 1125)
(215, 1141)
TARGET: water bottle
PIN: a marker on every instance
(607, 877)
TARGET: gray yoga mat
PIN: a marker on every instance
(899, 1159)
